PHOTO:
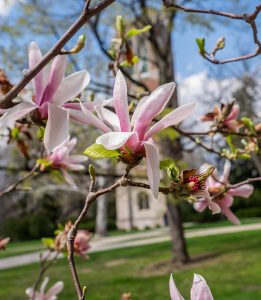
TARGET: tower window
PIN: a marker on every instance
(143, 201)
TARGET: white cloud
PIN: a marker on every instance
(6, 6)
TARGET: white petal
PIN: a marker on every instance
(71, 86)
(173, 118)
(108, 117)
(15, 113)
(68, 178)
(57, 127)
(200, 290)
(54, 290)
(138, 110)
(174, 292)
(152, 160)
(114, 140)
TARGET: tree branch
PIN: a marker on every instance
(87, 13)
(248, 18)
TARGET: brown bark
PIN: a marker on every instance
(172, 149)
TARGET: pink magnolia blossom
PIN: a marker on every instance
(51, 92)
(51, 294)
(61, 159)
(199, 290)
(4, 242)
(231, 120)
(82, 242)
(225, 200)
(133, 137)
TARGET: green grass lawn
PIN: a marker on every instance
(231, 264)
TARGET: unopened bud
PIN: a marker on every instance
(80, 44)
(220, 43)
(92, 173)
(120, 26)
(258, 128)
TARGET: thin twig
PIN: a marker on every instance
(13, 186)
(248, 18)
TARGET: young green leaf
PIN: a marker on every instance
(201, 45)
(135, 31)
(171, 168)
(98, 151)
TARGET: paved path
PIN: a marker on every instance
(131, 240)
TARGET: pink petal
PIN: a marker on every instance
(57, 127)
(77, 159)
(173, 118)
(55, 78)
(233, 114)
(174, 292)
(114, 140)
(152, 161)
(68, 178)
(229, 214)
(153, 106)
(71, 87)
(226, 172)
(242, 191)
(108, 117)
(200, 290)
(44, 284)
(214, 207)
(88, 118)
(227, 200)
(138, 110)
(54, 290)
(200, 205)
(120, 101)
(15, 113)
(35, 56)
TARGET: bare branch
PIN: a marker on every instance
(250, 19)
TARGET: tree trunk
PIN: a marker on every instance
(170, 148)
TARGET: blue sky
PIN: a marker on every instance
(187, 59)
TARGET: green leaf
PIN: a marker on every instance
(15, 132)
(229, 141)
(201, 45)
(40, 133)
(98, 151)
(171, 168)
(249, 124)
(48, 242)
(135, 31)
(120, 26)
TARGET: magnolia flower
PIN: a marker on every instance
(225, 116)
(51, 294)
(61, 159)
(4, 242)
(133, 137)
(199, 290)
(216, 185)
(51, 92)
(81, 243)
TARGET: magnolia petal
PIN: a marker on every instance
(44, 284)
(55, 78)
(233, 113)
(242, 191)
(114, 140)
(108, 117)
(200, 205)
(153, 106)
(57, 127)
(74, 166)
(227, 200)
(54, 290)
(200, 290)
(138, 110)
(173, 118)
(68, 178)
(214, 207)
(120, 101)
(29, 292)
(35, 55)
(153, 161)
(15, 113)
(89, 118)
(77, 159)
(229, 214)
(71, 87)
(174, 292)
(226, 172)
